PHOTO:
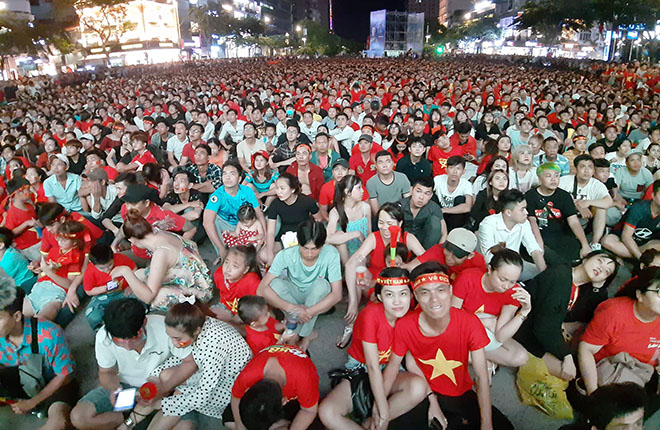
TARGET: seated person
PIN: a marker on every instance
(128, 348)
(349, 222)
(632, 180)
(386, 186)
(487, 200)
(56, 389)
(260, 397)
(326, 199)
(457, 253)
(500, 303)
(310, 175)
(639, 229)
(563, 299)
(370, 350)
(628, 323)
(98, 283)
(261, 329)
(454, 193)
(423, 216)
(589, 195)
(62, 187)
(57, 271)
(13, 263)
(512, 229)
(313, 282)
(440, 338)
(238, 276)
(96, 193)
(21, 219)
(553, 216)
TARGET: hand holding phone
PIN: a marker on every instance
(125, 399)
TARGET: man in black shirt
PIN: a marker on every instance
(415, 165)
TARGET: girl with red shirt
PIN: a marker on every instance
(237, 277)
(367, 356)
(628, 323)
(58, 270)
(36, 177)
(21, 219)
(499, 302)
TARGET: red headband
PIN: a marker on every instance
(402, 280)
(431, 278)
(304, 145)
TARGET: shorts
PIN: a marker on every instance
(100, 398)
(45, 292)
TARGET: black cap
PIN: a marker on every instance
(136, 193)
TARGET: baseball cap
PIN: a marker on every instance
(98, 174)
(63, 158)
(366, 137)
(340, 162)
(87, 136)
(634, 151)
(461, 242)
(136, 193)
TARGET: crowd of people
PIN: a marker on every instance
(472, 213)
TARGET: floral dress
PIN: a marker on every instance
(189, 276)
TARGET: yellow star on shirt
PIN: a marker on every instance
(481, 310)
(442, 366)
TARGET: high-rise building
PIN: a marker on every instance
(313, 10)
(18, 9)
(449, 12)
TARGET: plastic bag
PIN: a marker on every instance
(537, 387)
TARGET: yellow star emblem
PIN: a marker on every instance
(481, 310)
(234, 306)
(442, 366)
(384, 355)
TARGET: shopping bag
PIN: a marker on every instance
(537, 387)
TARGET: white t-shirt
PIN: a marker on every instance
(134, 368)
(446, 197)
(243, 150)
(525, 183)
(594, 189)
(175, 146)
(615, 162)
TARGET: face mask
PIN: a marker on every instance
(289, 112)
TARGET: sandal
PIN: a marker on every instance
(345, 338)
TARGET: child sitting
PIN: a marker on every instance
(58, 268)
(13, 263)
(237, 277)
(248, 230)
(21, 219)
(98, 283)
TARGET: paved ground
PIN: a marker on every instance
(326, 357)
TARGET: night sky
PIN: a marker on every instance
(351, 17)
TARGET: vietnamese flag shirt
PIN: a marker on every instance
(371, 326)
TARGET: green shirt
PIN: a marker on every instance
(327, 266)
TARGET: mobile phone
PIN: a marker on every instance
(125, 399)
(112, 285)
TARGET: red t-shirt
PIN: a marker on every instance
(16, 217)
(443, 359)
(70, 262)
(160, 219)
(377, 258)
(469, 147)
(364, 171)
(617, 329)
(141, 160)
(475, 300)
(327, 195)
(230, 293)
(436, 253)
(91, 235)
(302, 379)
(371, 326)
(259, 340)
(93, 277)
(439, 158)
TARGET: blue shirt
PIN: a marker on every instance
(57, 359)
(227, 206)
(16, 266)
(67, 196)
(561, 161)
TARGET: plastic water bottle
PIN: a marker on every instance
(362, 274)
(291, 323)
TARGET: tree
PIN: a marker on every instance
(108, 23)
(549, 18)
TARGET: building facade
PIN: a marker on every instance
(449, 12)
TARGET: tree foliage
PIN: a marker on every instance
(18, 36)
(109, 24)
(211, 19)
(549, 18)
(484, 29)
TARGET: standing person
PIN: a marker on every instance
(200, 383)
(422, 216)
(439, 339)
(128, 348)
(349, 222)
(553, 215)
(40, 347)
(454, 193)
(387, 185)
(369, 352)
(313, 282)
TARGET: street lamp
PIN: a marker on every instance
(266, 19)
(298, 28)
(228, 7)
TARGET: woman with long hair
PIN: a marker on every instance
(486, 201)
(175, 268)
(522, 174)
(157, 178)
(495, 148)
(262, 178)
(393, 131)
(481, 182)
(349, 221)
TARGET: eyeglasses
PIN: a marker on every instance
(657, 292)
